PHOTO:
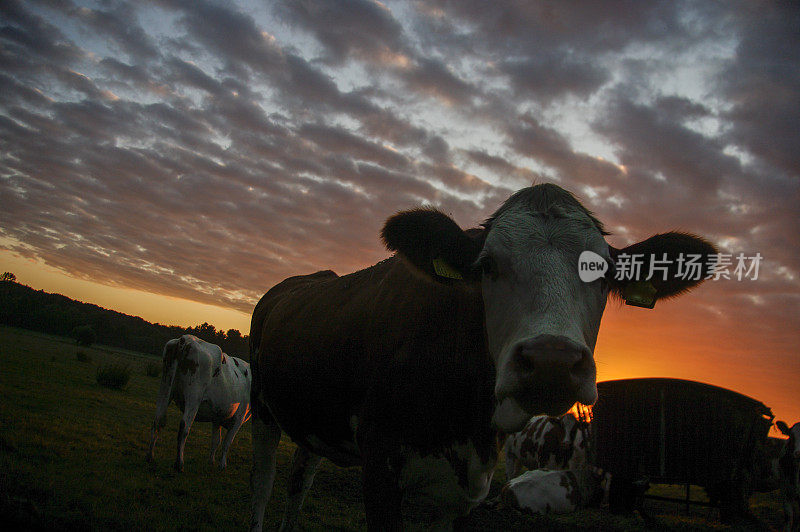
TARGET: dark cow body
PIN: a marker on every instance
(372, 355)
(384, 372)
(411, 367)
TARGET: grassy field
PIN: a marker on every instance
(72, 457)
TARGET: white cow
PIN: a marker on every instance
(544, 491)
(207, 385)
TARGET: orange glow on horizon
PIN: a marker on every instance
(677, 339)
(155, 308)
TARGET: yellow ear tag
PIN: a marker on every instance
(640, 294)
(443, 269)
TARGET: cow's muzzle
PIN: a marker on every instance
(547, 374)
(563, 363)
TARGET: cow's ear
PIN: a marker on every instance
(662, 266)
(783, 427)
(433, 243)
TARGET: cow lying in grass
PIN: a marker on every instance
(561, 479)
(542, 491)
(547, 442)
(208, 386)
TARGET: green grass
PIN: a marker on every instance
(72, 457)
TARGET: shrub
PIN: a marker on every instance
(114, 376)
(153, 369)
(83, 357)
(84, 335)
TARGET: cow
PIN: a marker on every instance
(788, 466)
(775, 467)
(208, 386)
(411, 368)
(543, 491)
(765, 472)
(546, 442)
(791, 451)
(561, 477)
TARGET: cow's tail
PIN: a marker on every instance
(169, 368)
(165, 392)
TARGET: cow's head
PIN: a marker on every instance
(541, 319)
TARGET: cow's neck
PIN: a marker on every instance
(441, 364)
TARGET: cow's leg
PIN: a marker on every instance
(164, 397)
(791, 512)
(216, 436)
(513, 466)
(266, 435)
(382, 495)
(304, 467)
(237, 424)
(189, 412)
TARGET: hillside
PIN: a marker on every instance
(25, 307)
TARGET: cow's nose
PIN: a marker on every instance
(550, 353)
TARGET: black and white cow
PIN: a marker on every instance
(547, 442)
(411, 367)
(561, 476)
(208, 386)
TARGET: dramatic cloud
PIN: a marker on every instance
(207, 150)
(762, 86)
(363, 30)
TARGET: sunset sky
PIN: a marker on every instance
(174, 159)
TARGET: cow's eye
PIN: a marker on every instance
(488, 266)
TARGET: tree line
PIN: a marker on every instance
(24, 307)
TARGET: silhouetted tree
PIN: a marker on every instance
(207, 330)
(84, 335)
(22, 306)
(8, 277)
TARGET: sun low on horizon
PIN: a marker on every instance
(174, 161)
